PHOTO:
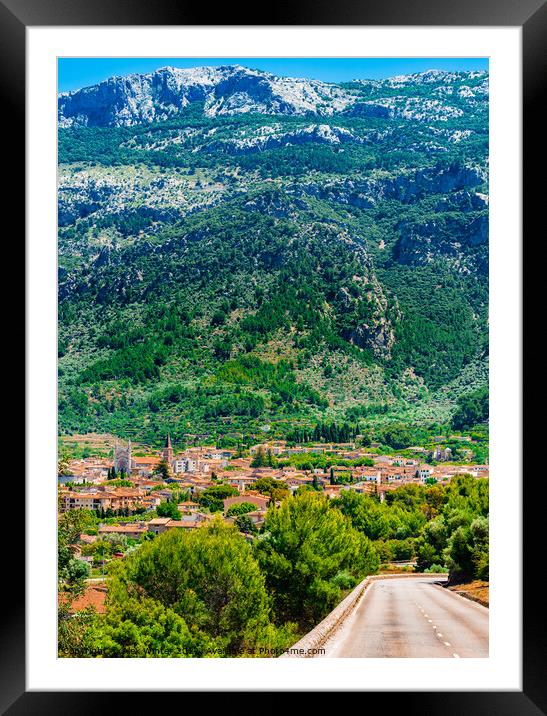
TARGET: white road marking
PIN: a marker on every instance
(355, 647)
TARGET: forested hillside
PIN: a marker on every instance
(240, 256)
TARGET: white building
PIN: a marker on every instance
(185, 464)
(424, 472)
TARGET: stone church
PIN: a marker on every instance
(122, 458)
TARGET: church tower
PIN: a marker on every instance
(167, 453)
(123, 460)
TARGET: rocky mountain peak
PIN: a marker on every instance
(224, 90)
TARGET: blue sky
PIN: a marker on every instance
(77, 72)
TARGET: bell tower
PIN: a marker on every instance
(167, 453)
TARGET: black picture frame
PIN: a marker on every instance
(531, 17)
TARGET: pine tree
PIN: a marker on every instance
(259, 459)
(163, 470)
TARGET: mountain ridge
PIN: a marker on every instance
(233, 89)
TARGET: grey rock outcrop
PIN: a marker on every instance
(159, 95)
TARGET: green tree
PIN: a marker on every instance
(76, 632)
(208, 577)
(467, 551)
(245, 524)
(366, 514)
(306, 544)
(168, 509)
(457, 536)
(472, 408)
(240, 508)
(259, 459)
(163, 470)
(71, 571)
(213, 497)
(276, 489)
(270, 459)
(426, 556)
(145, 628)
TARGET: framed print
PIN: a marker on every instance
(274, 318)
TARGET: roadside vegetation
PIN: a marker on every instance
(221, 590)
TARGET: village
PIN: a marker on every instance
(242, 485)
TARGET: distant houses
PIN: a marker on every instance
(198, 468)
(115, 499)
(159, 525)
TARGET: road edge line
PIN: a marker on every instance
(318, 636)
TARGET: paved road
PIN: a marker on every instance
(412, 618)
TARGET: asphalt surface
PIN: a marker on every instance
(412, 618)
